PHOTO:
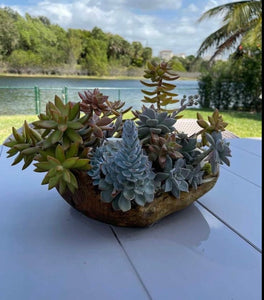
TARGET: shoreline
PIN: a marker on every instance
(88, 77)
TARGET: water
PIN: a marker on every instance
(19, 97)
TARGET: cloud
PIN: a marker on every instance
(192, 8)
(167, 24)
(155, 4)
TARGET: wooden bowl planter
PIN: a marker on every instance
(86, 199)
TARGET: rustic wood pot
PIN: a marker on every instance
(86, 199)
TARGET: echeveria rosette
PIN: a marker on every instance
(174, 179)
(94, 101)
(219, 151)
(188, 148)
(126, 175)
(195, 176)
(151, 121)
(159, 148)
(176, 182)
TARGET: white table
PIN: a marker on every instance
(210, 250)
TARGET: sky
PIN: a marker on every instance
(158, 24)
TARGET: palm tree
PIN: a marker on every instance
(242, 22)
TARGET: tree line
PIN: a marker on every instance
(35, 45)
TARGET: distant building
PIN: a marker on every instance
(182, 55)
(166, 55)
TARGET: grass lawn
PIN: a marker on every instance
(243, 124)
(7, 122)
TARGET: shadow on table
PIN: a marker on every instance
(187, 227)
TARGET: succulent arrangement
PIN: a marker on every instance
(129, 160)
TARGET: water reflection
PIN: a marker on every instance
(191, 228)
(14, 100)
(187, 227)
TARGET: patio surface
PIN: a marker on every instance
(210, 250)
(190, 126)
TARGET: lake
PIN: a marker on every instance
(17, 94)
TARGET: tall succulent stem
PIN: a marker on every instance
(202, 156)
(158, 93)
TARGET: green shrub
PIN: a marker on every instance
(235, 84)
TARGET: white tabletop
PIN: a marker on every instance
(210, 250)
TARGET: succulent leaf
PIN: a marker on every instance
(216, 124)
(220, 150)
(154, 122)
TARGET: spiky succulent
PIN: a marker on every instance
(101, 114)
(94, 101)
(216, 123)
(56, 161)
(162, 94)
(59, 125)
(24, 144)
(126, 174)
(116, 108)
(60, 167)
(55, 142)
(94, 130)
(97, 102)
(114, 128)
(151, 121)
(61, 122)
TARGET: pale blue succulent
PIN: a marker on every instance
(195, 176)
(174, 179)
(99, 156)
(219, 150)
(125, 174)
(188, 148)
(151, 121)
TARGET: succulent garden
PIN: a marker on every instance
(128, 161)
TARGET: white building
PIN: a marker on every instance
(166, 55)
(182, 55)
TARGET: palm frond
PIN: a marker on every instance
(243, 14)
(241, 19)
(213, 39)
(254, 35)
(221, 9)
(227, 44)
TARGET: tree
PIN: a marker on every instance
(233, 84)
(21, 60)
(75, 44)
(137, 51)
(98, 34)
(147, 54)
(9, 37)
(177, 65)
(242, 23)
(94, 56)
